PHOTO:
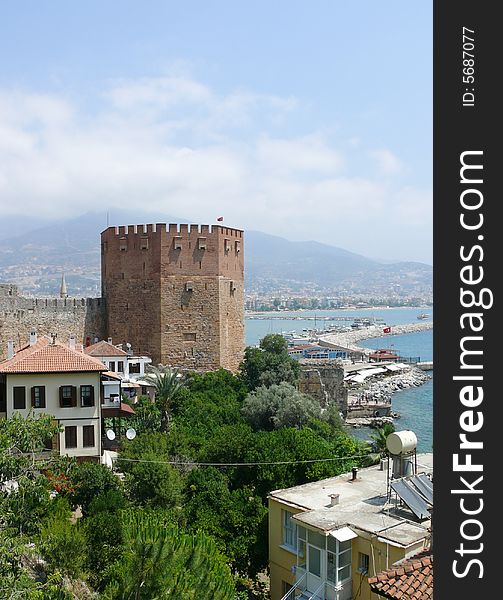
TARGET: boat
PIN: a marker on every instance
(423, 316)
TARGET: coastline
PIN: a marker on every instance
(379, 390)
(349, 339)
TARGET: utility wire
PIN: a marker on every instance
(247, 464)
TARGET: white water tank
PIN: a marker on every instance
(401, 442)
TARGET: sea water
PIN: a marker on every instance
(415, 405)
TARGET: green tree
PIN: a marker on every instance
(232, 517)
(269, 364)
(104, 536)
(147, 416)
(89, 480)
(167, 382)
(21, 438)
(161, 561)
(150, 482)
(63, 546)
(380, 436)
(280, 405)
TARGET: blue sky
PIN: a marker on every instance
(306, 120)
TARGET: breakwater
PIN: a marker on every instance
(350, 339)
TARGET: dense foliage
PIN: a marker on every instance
(190, 509)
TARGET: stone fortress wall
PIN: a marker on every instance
(82, 317)
(175, 292)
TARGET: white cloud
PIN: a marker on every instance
(172, 144)
(387, 163)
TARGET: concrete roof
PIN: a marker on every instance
(362, 505)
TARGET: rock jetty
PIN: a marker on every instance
(349, 339)
(382, 389)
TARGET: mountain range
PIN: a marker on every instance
(34, 253)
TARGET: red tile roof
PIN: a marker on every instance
(411, 579)
(103, 348)
(46, 357)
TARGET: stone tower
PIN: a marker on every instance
(176, 292)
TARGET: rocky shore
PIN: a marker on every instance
(380, 390)
(349, 339)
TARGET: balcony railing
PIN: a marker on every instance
(298, 589)
(325, 591)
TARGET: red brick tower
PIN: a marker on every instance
(176, 292)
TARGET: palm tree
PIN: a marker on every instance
(380, 437)
(167, 381)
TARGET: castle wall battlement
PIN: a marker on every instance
(175, 228)
(174, 291)
(82, 317)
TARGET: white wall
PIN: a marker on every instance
(77, 415)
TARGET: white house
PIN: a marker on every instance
(129, 368)
(59, 380)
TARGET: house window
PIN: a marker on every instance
(86, 395)
(88, 436)
(67, 396)
(363, 563)
(38, 396)
(19, 397)
(314, 561)
(134, 367)
(111, 365)
(70, 436)
(289, 530)
(120, 366)
(338, 560)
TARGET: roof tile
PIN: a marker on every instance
(411, 579)
(46, 357)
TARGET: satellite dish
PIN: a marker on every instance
(111, 434)
(130, 434)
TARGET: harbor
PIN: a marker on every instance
(403, 397)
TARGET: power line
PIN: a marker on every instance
(247, 464)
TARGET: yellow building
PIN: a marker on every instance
(59, 380)
(327, 537)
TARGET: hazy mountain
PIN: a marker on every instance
(35, 259)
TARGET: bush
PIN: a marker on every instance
(89, 480)
(279, 406)
(63, 546)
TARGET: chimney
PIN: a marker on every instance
(334, 499)
(33, 337)
(109, 340)
(354, 473)
(10, 349)
(71, 342)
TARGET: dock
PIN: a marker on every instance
(426, 365)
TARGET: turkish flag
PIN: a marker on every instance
(387, 330)
(220, 218)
